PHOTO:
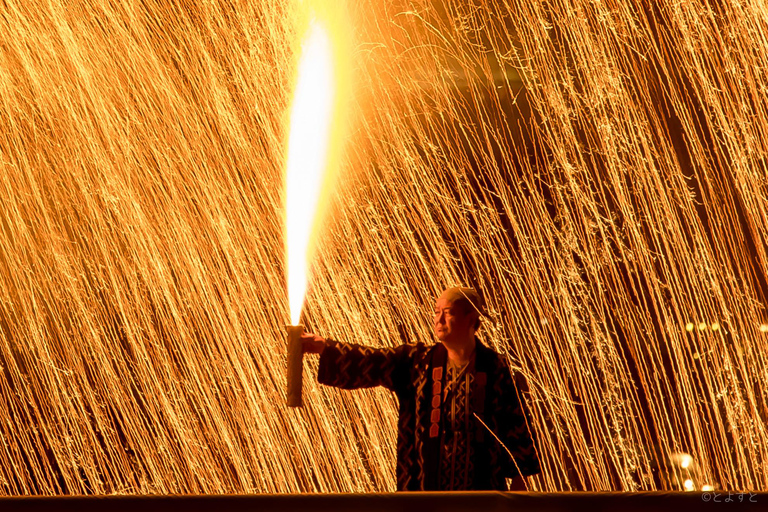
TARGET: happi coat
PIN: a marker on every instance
(417, 375)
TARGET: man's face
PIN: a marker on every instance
(451, 322)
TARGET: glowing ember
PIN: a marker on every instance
(307, 156)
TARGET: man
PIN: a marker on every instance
(461, 423)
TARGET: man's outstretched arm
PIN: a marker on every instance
(350, 366)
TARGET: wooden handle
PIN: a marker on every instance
(295, 363)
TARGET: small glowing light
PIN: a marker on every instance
(688, 485)
(686, 461)
(715, 326)
(707, 488)
(696, 355)
(689, 326)
(702, 326)
(764, 328)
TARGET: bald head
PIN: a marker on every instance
(466, 298)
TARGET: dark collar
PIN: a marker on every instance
(485, 357)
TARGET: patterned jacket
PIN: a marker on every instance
(416, 373)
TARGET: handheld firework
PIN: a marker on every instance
(295, 366)
(308, 150)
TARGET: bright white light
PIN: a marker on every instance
(707, 488)
(715, 326)
(686, 461)
(307, 155)
(702, 326)
(688, 485)
(689, 327)
(764, 328)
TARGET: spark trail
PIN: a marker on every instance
(598, 169)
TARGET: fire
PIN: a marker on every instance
(308, 148)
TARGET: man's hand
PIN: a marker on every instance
(518, 484)
(312, 343)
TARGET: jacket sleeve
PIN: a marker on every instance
(348, 366)
(515, 423)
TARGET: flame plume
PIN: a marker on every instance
(307, 156)
(597, 168)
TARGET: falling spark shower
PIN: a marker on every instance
(596, 168)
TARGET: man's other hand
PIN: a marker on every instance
(312, 343)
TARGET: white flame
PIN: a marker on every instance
(307, 157)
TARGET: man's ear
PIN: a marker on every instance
(474, 317)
